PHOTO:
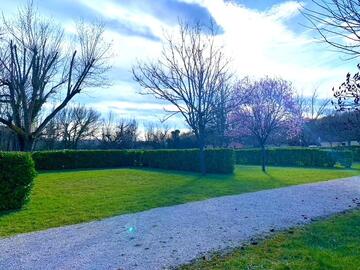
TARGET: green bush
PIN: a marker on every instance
(304, 157)
(217, 160)
(356, 153)
(355, 149)
(85, 159)
(16, 178)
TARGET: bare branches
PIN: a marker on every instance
(76, 124)
(338, 23)
(35, 68)
(157, 136)
(189, 75)
(118, 133)
(348, 93)
(314, 107)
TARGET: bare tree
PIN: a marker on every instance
(268, 108)
(223, 106)
(76, 124)
(318, 107)
(157, 136)
(36, 67)
(313, 107)
(51, 135)
(118, 134)
(189, 73)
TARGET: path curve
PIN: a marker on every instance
(171, 236)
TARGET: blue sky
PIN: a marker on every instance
(263, 37)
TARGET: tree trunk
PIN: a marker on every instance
(26, 143)
(202, 155)
(263, 158)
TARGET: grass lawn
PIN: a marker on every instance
(329, 244)
(69, 197)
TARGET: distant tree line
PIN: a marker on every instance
(81, 127)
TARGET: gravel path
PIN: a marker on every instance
(170, 236)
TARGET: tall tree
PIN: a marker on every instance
(313, 108)
(223, 106)
(189, 75)
(50, 136)
(36, 68)
(268, 108)
(76, 124)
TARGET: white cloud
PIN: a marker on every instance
(259, 42)
(285, 10)
(264, 43)
(134, 17)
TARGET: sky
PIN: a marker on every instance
(262, 37)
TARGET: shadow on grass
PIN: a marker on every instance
(145, 169)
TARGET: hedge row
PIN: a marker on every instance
(355, 149)
(304, 157)
(217, 160)
(84, 159)
(16, 179)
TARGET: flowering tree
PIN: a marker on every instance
(263, 109)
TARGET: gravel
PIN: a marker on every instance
(170, 236)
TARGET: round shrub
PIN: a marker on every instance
(16, 179)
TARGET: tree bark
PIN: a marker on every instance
(26, 143)
(263, 158)
(202, 155)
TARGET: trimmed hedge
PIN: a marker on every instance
(355, 149)
(16, 178)
(217, 160)
(304, 157)
(85, 159)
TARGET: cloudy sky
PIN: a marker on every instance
(263, 37)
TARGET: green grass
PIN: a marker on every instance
(69, 197)
(330, 244)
